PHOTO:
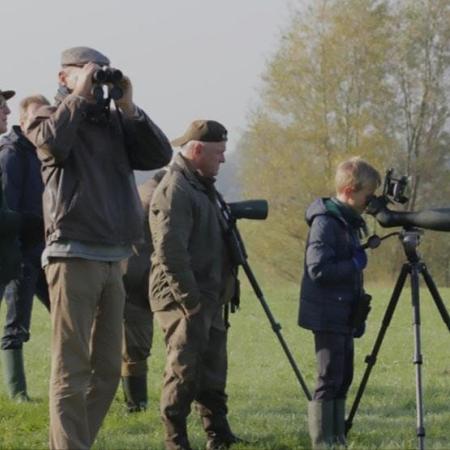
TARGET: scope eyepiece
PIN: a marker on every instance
(430, 219)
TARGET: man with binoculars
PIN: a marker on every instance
(92, 217)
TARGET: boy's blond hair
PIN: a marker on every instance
(356, 173)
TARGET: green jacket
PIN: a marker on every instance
(190, 262)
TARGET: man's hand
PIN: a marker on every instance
(192, 312)
(125, 103)
(83, 86)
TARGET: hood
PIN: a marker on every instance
(331, 207)
(320, 207)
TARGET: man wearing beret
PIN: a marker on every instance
(191, 280)
(92, 216)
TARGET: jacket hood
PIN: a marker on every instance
(319, 208)
(16, 137)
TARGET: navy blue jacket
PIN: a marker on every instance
(331, 283)
(23, 186)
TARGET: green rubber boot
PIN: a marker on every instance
(14, 375)
(321, 424)
(135, 392)
(339, 423)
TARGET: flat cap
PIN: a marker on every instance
(78, 56)
(204, 131)
(7, 94)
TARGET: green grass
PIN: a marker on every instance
(267, 407)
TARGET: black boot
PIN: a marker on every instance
(135, 392)
(14, 373)
(218, 432)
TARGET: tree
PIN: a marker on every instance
(343, 82)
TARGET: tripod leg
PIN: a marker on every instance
(276, 327)
(435, 294)
(372, 358)
(417, 354)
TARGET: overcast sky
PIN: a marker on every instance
(187, 59)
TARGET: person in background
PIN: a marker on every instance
(23, 188)
(10, 221)
(138, 317)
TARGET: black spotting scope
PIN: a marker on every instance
(430, 219)
(249, 209)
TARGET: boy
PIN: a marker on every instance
(332, 293)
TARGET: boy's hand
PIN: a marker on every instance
(360, 259)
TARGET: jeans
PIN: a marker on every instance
(18, 296)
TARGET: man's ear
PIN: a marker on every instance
(198, 149)
(62, 78)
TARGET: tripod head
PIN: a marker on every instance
(409, 237)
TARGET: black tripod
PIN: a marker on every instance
(239, 256)
(410, 239)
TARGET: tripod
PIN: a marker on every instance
(410, 239)
(239, 257)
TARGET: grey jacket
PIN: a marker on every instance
(90, 193)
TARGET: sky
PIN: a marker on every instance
(187, 59)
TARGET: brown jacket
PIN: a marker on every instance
(90, 193)
(190, 262)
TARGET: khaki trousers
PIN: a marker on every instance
(196, 369)
(137, 338)
(87, 299)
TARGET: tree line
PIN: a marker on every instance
(351, 77)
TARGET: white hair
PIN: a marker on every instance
(186, 149)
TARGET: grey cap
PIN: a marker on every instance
(78, 56)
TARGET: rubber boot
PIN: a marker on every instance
(135, 392)
(14, 374)
(339, 423)
(321, 423)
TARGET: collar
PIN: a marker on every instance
(195, 179)
(346, 212)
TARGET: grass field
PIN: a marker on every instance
(267, 407)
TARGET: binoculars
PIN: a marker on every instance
(109, 78)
